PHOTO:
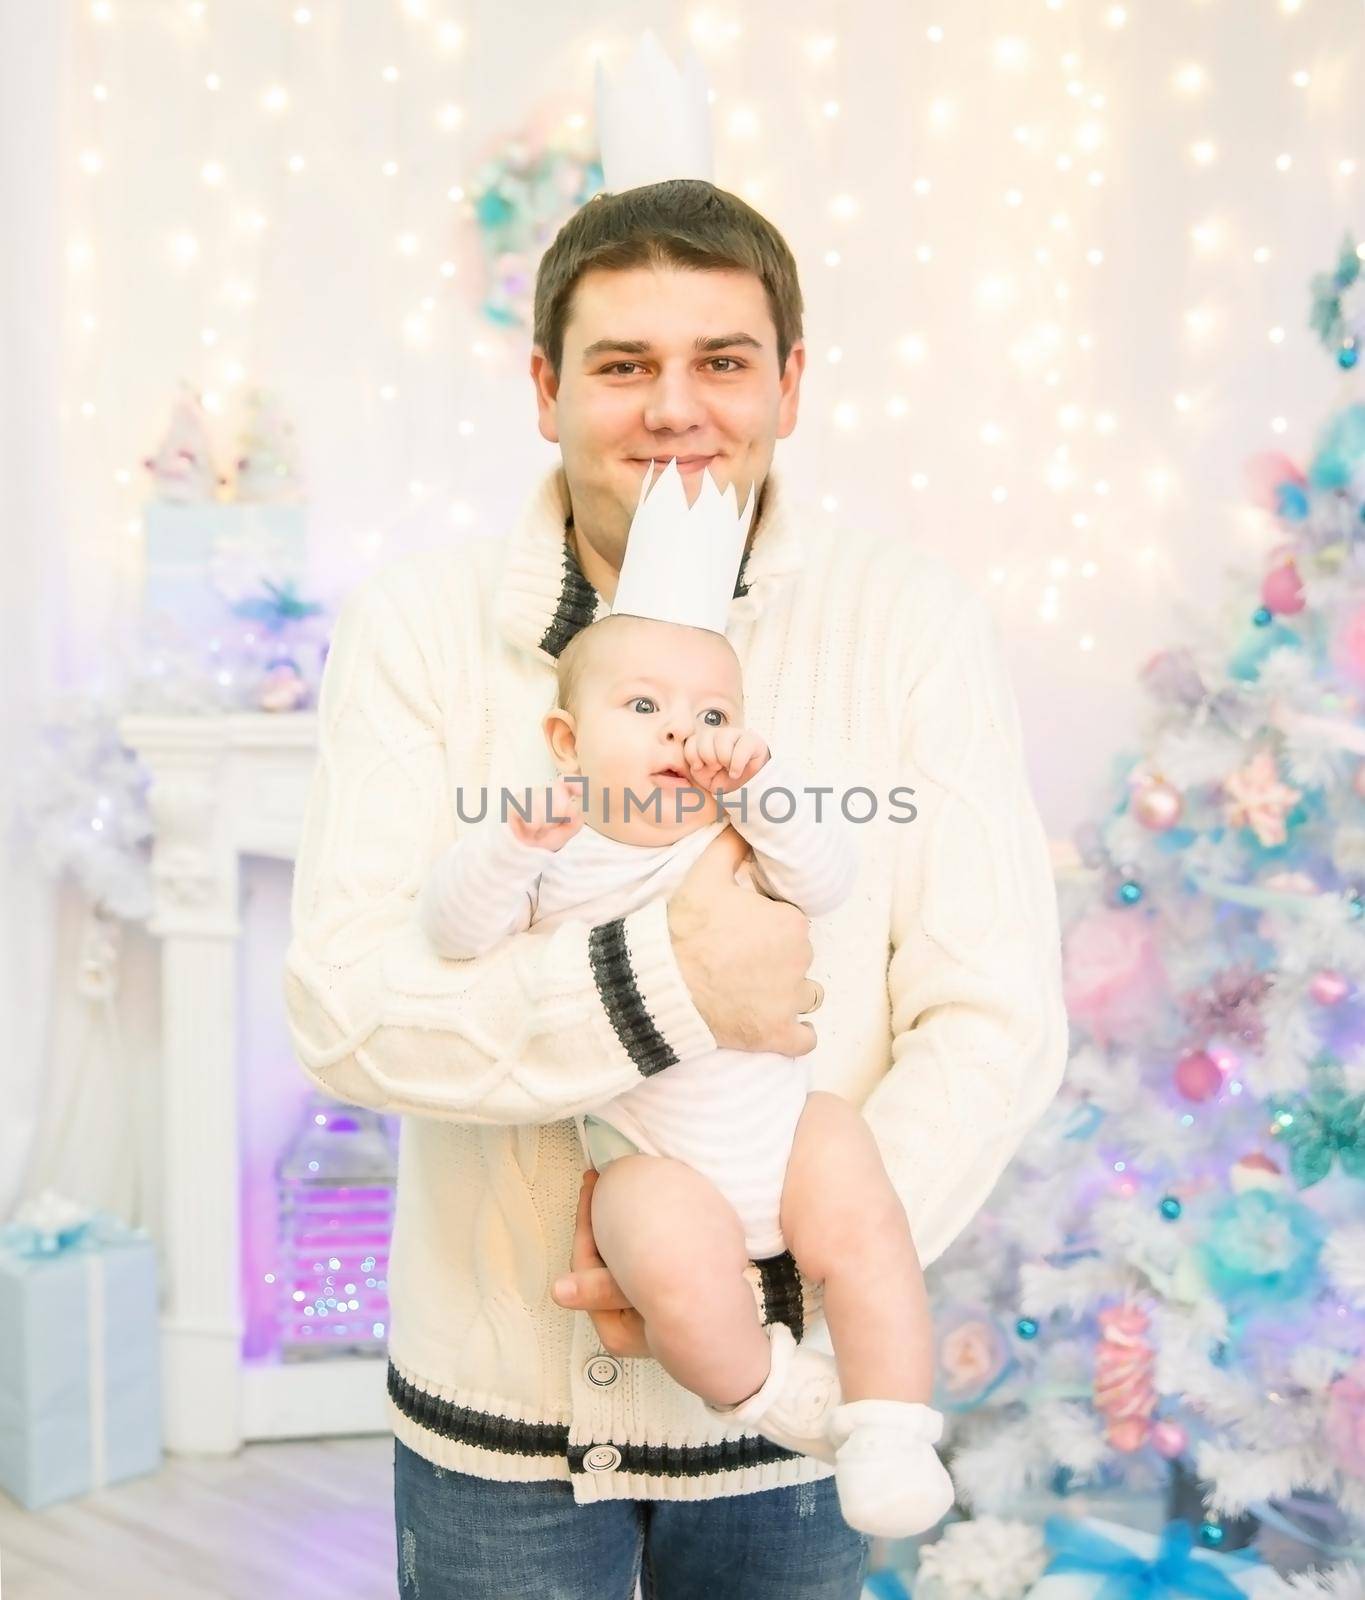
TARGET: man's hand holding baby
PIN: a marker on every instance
(724, 758)
(556, 814)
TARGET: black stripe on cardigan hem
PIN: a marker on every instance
(482, 1428)
(631, 1022)
(505, 1436)
(688, 1460)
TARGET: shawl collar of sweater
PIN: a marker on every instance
(544, 599)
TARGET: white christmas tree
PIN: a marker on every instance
(1171, 1276)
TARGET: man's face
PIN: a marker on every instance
(635, 384)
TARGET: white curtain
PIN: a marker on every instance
(31, 539)
(76, 1111)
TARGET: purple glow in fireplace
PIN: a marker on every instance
(336, 1182)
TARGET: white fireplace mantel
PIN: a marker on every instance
(223, 787)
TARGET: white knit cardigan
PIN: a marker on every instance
(876, 667)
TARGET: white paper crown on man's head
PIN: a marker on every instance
(653, 121)
(682, 561)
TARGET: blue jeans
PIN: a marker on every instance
(477, 1539)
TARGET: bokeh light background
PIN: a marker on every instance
(1055, 257)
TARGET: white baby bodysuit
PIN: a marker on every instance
(730, 1114)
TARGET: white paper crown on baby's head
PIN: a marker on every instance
(681, 561)
(653, 121)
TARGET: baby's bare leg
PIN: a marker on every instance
(676, 1247)
(844, 1224)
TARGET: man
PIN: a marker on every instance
(536, 1451)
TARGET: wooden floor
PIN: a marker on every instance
(296, 1521)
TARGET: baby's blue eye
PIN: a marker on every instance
(714, 713)
(642, 699)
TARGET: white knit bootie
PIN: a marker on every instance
(798, 1395)
(890, 1480)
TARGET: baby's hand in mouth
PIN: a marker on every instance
(724, 758)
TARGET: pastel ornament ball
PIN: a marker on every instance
(1282, 590)
(1198, 1076)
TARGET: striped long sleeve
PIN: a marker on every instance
(802, 842)
(480, 890)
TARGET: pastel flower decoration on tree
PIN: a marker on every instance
(1260, 1249)
(1112, 972)
(1125, 1393)
(1325, 1126)
(1258, 799)
(974, 1357)
(1229, 1006)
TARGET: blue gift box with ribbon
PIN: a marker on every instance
(1097, 1560)
(80, 1390)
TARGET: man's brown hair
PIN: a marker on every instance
(683, 222)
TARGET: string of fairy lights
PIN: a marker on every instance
(1103, 490)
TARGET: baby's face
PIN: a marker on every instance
(645, 688)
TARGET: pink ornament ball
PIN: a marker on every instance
(1169, 1439)
(1329, 988)
(1198, 1076)
(1282, 591)
(1157, 805)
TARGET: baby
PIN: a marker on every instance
(729, 1156)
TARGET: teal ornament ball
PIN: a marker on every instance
(1261, 616)
(1026, 1328)
(1130, 893)
(1347, 356)
(1170, 1207)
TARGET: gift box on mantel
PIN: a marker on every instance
(80, 1388)
(1091, 1559)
